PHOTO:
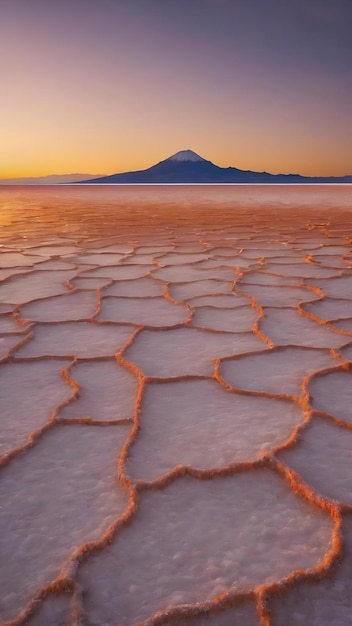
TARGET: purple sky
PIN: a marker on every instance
(112, 85)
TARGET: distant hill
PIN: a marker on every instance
(188, 167)
(53, 179)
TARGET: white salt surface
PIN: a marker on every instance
(148, 312)
(199, 288)
(54, 249)
(275, 371)
(54, 611)
(107, 391)
(80, 339)
(15, 259)
(156, 249)
(288, 327)
(7, 273)
(182, 259)
(29, 394)
(345, 325)
(118, 248)
(218, 251)
(7, 343)
(337, 288)
(6, 308)
(262, 278)
(59, 495)
(141, 259)
(324, 603)
(90, 283)
(330, 261)
(54, 264)
(199, 423)
(244, 614)
(119, 272)
(8, 325)
(239, 320)
(279, 296)
(179, 274)
(138, 288)
(72, 306)
(217, 263)
(195, 539)
(332, 393)
(225, 301)
(346, 351)
(323, 459)
(182, 351)
(102, 258)
(332, 250)
(307, 270)
(34, 286)
(330, 309)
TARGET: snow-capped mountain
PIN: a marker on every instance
(185, 155)
(187, 166)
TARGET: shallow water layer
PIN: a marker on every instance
(175, 417)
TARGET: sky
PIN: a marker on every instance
(105, 86)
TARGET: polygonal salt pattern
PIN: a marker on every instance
(200, 424)
(279, 371)
(320, 603)
(29, 393)
(332, 393)
(330, 309)
(35, 285)
(273, 296)
(144, 312)
(54, 610)
(136, 409)
(193, 540)
(323, 458)
(76, 339)
(239, 320)
(186, 351)
(70, 307)
(49, 494)
(106, 392)
(287, 327)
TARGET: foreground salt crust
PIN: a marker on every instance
(244, 613)
(106, 392)
(279, 371)
(189, 543)
(147, 312)
(323, 458)
(332, 394)
(288, 327)
(320, 604)
(200, 424)
(76, 339)
(187, 351)
(25, 404)
(48, 493)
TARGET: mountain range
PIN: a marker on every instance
(185, 167)
(188, 167)
(52, 179)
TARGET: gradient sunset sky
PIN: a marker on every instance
(104, 86)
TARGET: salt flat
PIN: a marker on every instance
(175, 418)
